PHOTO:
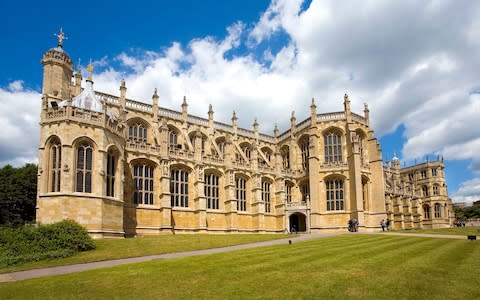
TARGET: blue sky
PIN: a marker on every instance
(415, 64)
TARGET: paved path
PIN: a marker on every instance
(23, 275)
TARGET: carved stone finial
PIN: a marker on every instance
(395, 158)
(79, 67)
(365, 106)
(61, 37)
(90, 70)
(184, 101)
(155, 92)
(234, 116)
(210, 108)
(122, 83)
(313, 103)
(255, 123)
(345, 97)
(293, 115)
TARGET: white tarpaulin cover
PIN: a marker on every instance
(87, 99)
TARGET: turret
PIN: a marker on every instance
(276, 131)
(255, 129)
(123, 93)
(313, 112)
(210, 116)
(366, 113)
(155, 105)
(57, 71)
(348, 112)
(293, 124)
(78, 79)
(234, 123)
(184, 109)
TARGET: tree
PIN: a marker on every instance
(468, 212)
(18, 192)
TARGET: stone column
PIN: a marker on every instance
(165, 198)
(200, 205)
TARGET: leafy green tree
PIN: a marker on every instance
(466, 213)
(18, 191)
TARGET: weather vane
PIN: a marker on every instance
(61, 37)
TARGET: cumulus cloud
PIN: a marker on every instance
(469, 191)
(19, 117)
(416, 64)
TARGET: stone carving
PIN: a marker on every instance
(200, 173)
(165, 168)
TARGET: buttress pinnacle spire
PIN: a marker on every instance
(90, 70)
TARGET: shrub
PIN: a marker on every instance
(28, 243)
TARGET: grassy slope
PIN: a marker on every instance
(349, 266)
(122, 248)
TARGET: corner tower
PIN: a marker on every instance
(81, 150)
(57, 71)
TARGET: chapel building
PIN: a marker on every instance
(121, 167)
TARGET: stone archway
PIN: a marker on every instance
(297, 222)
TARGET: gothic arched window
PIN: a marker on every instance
(84, 168)
(438, 210)
(172, 140)
(333, 147)
(426, 211)
(304, 145)
(288, 192)
(425, 191)
(179, 188)
(335, 194)
(241, 193)
(266, 195)
(211, 191)
(111, 170)
(286, 158)
(55, 165)
(143, 184)
(137, 132)
(436, 189)
(305, 190)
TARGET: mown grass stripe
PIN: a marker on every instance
(404, 268)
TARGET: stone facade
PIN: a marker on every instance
(132, 168)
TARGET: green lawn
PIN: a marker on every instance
(342, 267)
(454, 230)
(122, 248)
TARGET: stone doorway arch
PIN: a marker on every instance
(297, 222)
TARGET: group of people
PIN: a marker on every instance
(385, 225)
(458, 223)
(353, 225)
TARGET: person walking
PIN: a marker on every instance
(382, 223)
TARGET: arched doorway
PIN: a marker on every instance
(298, 222)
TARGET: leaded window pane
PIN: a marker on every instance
(335, 195)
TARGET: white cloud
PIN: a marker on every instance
(469, 191)
(277, 16)
(19, 117)
(16, 86)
